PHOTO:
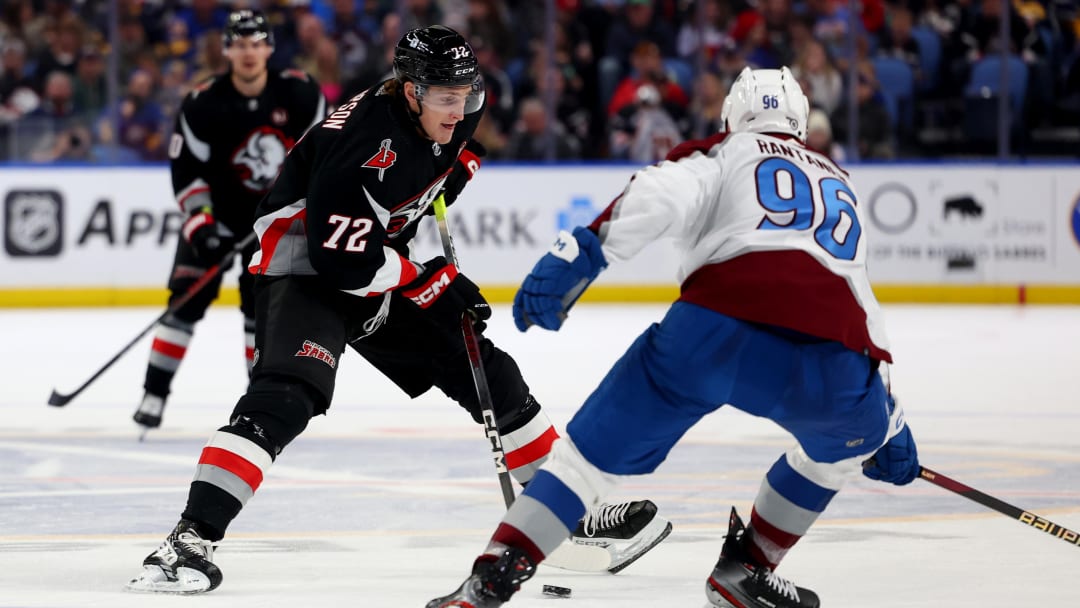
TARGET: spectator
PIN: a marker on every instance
(706, 104)
(644, 131)
(897, 41)
(41, 30)
(90, 93)
(203, 16)
(822, 82)
(178, 42)
(632, 27)
(352, 36)
(706, 35)
(751, 34)
(174, 85)
(132, 43)
(55, 130)
(140, 123)
(309, 35)
(210, 58)
(648, 70)
(537, 138)
(420, 13)
(65, 40)
(379, 66)
(14, 16)
(327, 70)
(488, 19)
(17, 94)
(819, 135)
(15, 82)
(875, 137)
(497, 85)
(780, 36)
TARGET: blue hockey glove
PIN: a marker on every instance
(558, 279)
(897, 461)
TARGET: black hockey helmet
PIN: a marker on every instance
(438, 56)
(247, 24)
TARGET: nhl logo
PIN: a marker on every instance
(279, 116)
(33, 223)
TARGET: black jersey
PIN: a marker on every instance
(227, 148)
(351, 193)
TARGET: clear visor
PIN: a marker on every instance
(464, 99)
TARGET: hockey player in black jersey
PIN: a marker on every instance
(333, 270)
(231, 137)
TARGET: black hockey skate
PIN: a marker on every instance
(491, 583)
(611, 537)
(150, 412)
(182, 564)
(737, 582)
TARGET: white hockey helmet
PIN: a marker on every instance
(766, 101)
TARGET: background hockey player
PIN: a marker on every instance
(776, 317)
(333, 269)
(232, 134)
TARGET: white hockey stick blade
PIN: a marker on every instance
(580, 558)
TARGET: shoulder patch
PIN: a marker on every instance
(294, 73)
(176, 145)
(687, 148)
(203, 86)
(383, 159)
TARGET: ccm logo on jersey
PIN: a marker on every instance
(315, 351)
(427, 293)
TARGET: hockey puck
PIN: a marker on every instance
(554, 591)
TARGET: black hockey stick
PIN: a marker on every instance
(61, 399)
(472, 345)
(1024, 517)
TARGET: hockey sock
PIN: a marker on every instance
(540, 519)
(527, 447)
(231, 467)
(787, 504)
(167, 351)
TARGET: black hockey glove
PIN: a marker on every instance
(201, 232)
(446, 295)
(467, 166)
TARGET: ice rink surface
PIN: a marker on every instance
(386, 501)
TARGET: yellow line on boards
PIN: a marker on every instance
(606, 294)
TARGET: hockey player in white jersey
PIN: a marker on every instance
(776, 317)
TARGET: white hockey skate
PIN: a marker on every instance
(181, 565)
(611, 537)
(150, 411)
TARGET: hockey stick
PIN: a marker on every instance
(61, 399)
(1024, 517)
(472, 345)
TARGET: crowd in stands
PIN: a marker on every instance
(625, 79)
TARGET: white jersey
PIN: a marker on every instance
(770, 233)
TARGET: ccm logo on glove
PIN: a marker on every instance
(430, 291)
